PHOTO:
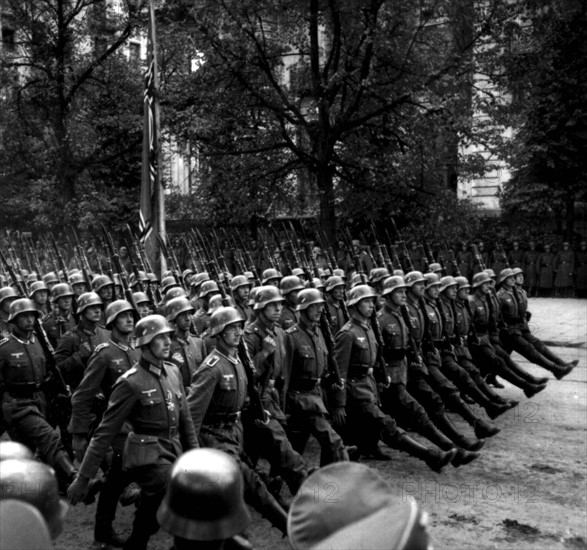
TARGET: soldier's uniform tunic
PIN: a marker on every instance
(109, 361)
(289, 317)
(24, 404)
(306, 364)
(216, 398)
(187, 353)
(69, 360)
(355, 351)
(5, 326)
(244, 309)
(564, 266)
(270, 440)
(545, 272)
(151, 398)
(336, 314)
(57, 325)
(201, 321)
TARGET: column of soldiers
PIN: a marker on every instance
(253, 365)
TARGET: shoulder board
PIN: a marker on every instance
(129, 372)
(346, 327)
(212, 361)
(101, 347)
(293, 329)
(253, 328)
(4, 340)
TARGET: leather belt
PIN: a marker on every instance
(216, 419)
(305, 384)
(172, 432)
(25, 389)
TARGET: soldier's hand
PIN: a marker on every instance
(79, 443)
(269, 346)
(78, 489)
(85, 350)
(339, 416)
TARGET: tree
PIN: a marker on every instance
(339, 96)
(71, 125)
(545, 70)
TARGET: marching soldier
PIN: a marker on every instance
(103, 286)
(187, 351)
(217, 396)
(334, 292)
(109, 361)
(7, 296)
(305, 367)
(241, 289)
(202, 315)
(483, 350)
(23, 374)
(396, 399)
(78, 284)
(465, 260)
(143, 303)
(514, 306)
(265, 342)
(290, 287)
(428, 383)
(76, 347)
(61, 319)
(151, 398)
(39, 293)
(357, 404)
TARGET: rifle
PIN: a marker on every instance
(453, 262)
(378, 249)
(425, 259)
(61, 261)
(330, 257)
(282, 253)
(57, 391)
(115, 258)
(12, 252)
(171, 260)
(135, 268)
(26, 254)
(257, 409)
(265, 247)
(35, 258)
(478, 257)
(407, 259)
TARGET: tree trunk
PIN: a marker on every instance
(325, 186)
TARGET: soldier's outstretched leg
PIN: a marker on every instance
(258, 496)
(549, 354)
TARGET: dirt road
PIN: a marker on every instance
(527, 491)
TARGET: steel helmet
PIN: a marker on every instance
(249, 275)
(399, 272)
(100, 281)
(22, 305)
(31, 278)
(266, 295)
(50, 277)
(289, 284)
(252, 295)
(61, 290)
(153, 278)
(434, 267)
(315, 283)
(333, 281)
(167, 283)
(175, 292)
(462, 282)
(307, 297)
(480, 278)
(340, 273)
(504, 274)
(357, 279)
(431, 280)
(8, 293)
(117, 307)
(117, 280)
(414, 277)
(269, 275)
(141, 298)
(38, 286)
(378, 274)
(395, 282)
(358, 293)
(517, 271)
(208, 287)
(143, 278)
(216, 302)
(13, 449)
(238, 281)
(222, 317)
(186, 273)
(447, 281)
(77, 279)
(34, 482)
(88, 299)
(151, 326)
(199, 278)
(204, 497)
(298, 272)
(176, 306)
(490, 272)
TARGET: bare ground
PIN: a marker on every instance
(528, 489)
